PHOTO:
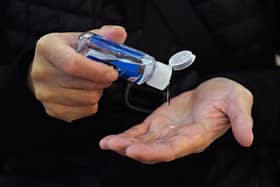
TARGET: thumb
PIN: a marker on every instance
(113, 32)
(239, 112)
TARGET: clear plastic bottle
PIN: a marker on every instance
(134, 65)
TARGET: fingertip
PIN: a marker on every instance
(250, 140)
(116, 27)
(242, 128)
(112, 74)
(113, 32)
(103, 143)
(245, 138)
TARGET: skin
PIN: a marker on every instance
(189, 125)
(67, 84)
(70, 86)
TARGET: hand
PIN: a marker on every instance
(68, 84)
(190, 124)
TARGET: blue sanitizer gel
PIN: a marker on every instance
(133, 65)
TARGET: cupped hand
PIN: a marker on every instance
(189, 125)
(68, 84)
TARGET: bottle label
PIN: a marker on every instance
(130, 63)
(126, 69)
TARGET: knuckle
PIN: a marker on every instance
(63, 116)
(107, 85)
(246, 93)
(43, 95)
(249, 95)
(35, 74)
(95, 97)
(37, 96)
(41, 45)
(50, 110)
(89, 111)
(43, 42)
(51, 113)
(94, 109)
(39, 74)
(56, 113)
(68, 118)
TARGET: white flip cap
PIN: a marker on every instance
(161, 76)
(181, 60)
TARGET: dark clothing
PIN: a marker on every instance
(235, 39)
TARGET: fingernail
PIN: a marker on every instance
(112, 26)
(103, 143)
(112, 74)
(117, 27)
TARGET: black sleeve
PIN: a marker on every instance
(277, 25)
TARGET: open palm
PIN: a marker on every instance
(190, 124)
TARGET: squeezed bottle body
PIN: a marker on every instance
(131, 64)
(134, 65)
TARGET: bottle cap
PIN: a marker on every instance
(181, 60)
(161, 76)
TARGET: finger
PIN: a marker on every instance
(117, 143)
(69, 82)
(133, 148)
(124, 138)
(68, 97)
(138, 130)
(113, 32)
(241, 120)
(143, 132)
(68, 113)
(47, 72)
(191, 139)
(56, 50)
(121, 141)
(150, 153)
